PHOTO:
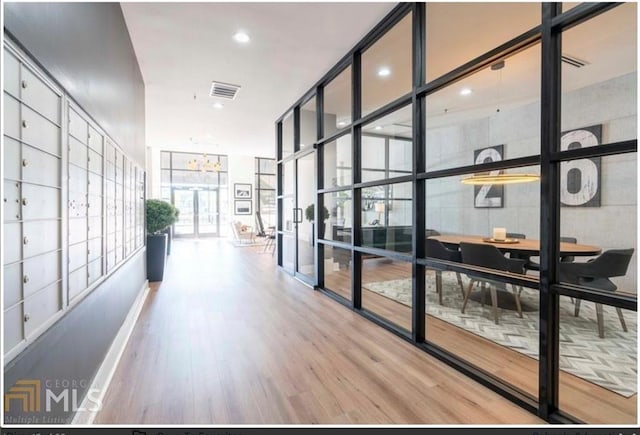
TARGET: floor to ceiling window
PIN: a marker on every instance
(197, 185)
(476, 180)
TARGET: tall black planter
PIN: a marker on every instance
(156, 256)
(169, 233)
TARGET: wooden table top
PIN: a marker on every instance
(524, 245)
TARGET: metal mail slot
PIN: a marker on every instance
(77, 230)
(11, 201)
(119, 256)
(39, 96)
(94, 227)
(94, 271)
(95, 162)
(40, 202)
(77, 179)
(13, 328)
(111, 260)
(40, 271)
(95, 248)
(110, 171)
(40, 236)
(39, 131)
(94, 206)
(95, 184)
(119, 223)
(12, 242)
(11, 74)
(39, 167)
(78, 127)
(77, 282)
(41, 307)
(95, 140)
(119, 176)
(77, 152)
(11, 157)
(77, 255)
(11, 117)
(12, 284)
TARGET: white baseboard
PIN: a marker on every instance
(105, 373)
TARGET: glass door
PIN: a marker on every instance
(185, 201)
(289, 218)
(305, 220)
(199, 212)
(207, 222)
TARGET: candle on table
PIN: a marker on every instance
(499, 233)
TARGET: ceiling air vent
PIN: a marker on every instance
(224, 90)
(574, 61)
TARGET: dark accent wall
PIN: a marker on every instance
(86, 48)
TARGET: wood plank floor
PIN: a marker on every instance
(229, 339)
(582, 399)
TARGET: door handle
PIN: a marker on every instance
(297, 220)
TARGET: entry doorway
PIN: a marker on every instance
(199, 212)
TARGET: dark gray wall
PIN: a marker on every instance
(86, 48)
(75, 346)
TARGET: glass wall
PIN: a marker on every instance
(435, 192)
(266, 191)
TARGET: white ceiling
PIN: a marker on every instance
(183, 47)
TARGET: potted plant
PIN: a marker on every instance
(160, 215)
(309, 214)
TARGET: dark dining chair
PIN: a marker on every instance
(532, 265)
(490, 257)
(435, 249)
(595, 273)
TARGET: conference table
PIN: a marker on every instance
(524, 246)
(529, 247)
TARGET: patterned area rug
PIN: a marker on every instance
(610, 362)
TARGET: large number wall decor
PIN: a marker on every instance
(489, 195)
(73, 203)
(580, 179)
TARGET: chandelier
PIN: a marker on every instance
(203, 164)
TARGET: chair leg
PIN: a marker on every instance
(516, 294)
(439, 285)
(600, 319)
(494, 302)
(621, 317)
(460, 284)
(466, 297)
(576, 311)
(482, 296)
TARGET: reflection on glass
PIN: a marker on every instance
(287, 135)
(287, 182)
(598, 377)
(306, 224)
(340, 208)
(386, 289)
(599, 98)
(476, 29)
(184, 201)
(387, 146)
(207, 212)
(386, 67)
(502, 109)
(337, 271)
(308, 124)
(337, 162)
(386, 217)
(288, 253)
(337, 103)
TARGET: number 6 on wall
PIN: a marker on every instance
(580, 179)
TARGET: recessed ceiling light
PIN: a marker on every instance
(218, 105)
(341, 124)
(241, 37)
(384, 72)
(465, 91)
(378, 127)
